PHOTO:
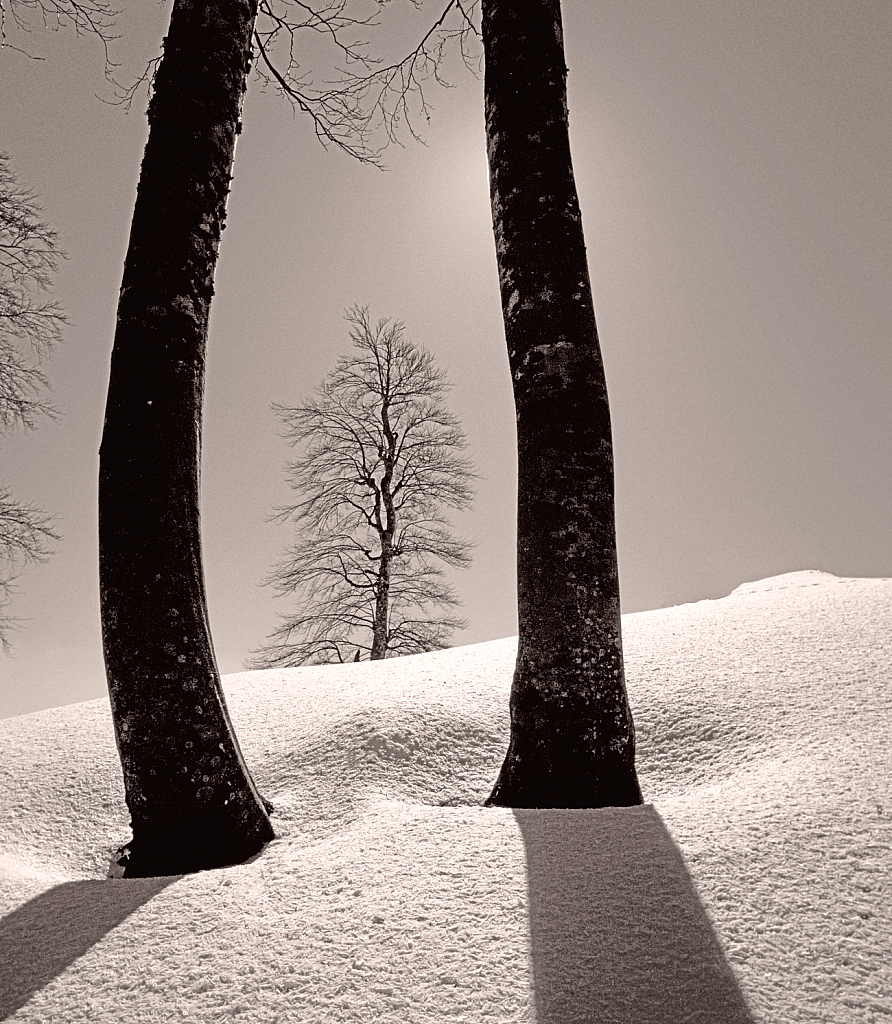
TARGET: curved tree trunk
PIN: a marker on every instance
(192, 801)
(572, 737)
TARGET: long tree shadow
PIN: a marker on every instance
(42, 937)
(618, 931)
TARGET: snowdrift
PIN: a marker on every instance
(752, 886)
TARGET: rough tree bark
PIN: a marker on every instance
(191, 798)
(572, 736)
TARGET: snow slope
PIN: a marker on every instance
(757, 875)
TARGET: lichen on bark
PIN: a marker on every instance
(572, 735)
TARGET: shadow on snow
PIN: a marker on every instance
(618, 932)
(48, 933)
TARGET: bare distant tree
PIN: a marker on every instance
(380, 463)
(30, 325)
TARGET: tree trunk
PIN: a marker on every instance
(572, 736)
(382, 605)
(192, 801)
(386, 531)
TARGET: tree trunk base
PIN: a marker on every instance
(182, 853)
(560, 767)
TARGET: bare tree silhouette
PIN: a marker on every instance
(379, 464)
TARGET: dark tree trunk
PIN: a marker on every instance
(382, 606)
(387, 532)
(572, 737)
(192, 801)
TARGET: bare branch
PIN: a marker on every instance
(364, 97)
(92, 18)
(337, 119)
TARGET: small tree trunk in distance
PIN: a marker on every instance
(382, 603)
(387, 532)
(192, 801)
(572, 737)
(382, 587)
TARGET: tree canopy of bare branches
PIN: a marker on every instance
(30, 326)
(380, 461)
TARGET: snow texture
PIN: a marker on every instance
(753, 885)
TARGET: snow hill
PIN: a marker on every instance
(752, 886)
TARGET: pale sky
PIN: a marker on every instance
(733, 163)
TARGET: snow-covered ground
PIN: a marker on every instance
(756, 874)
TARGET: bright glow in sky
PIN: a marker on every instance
(733, 164)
